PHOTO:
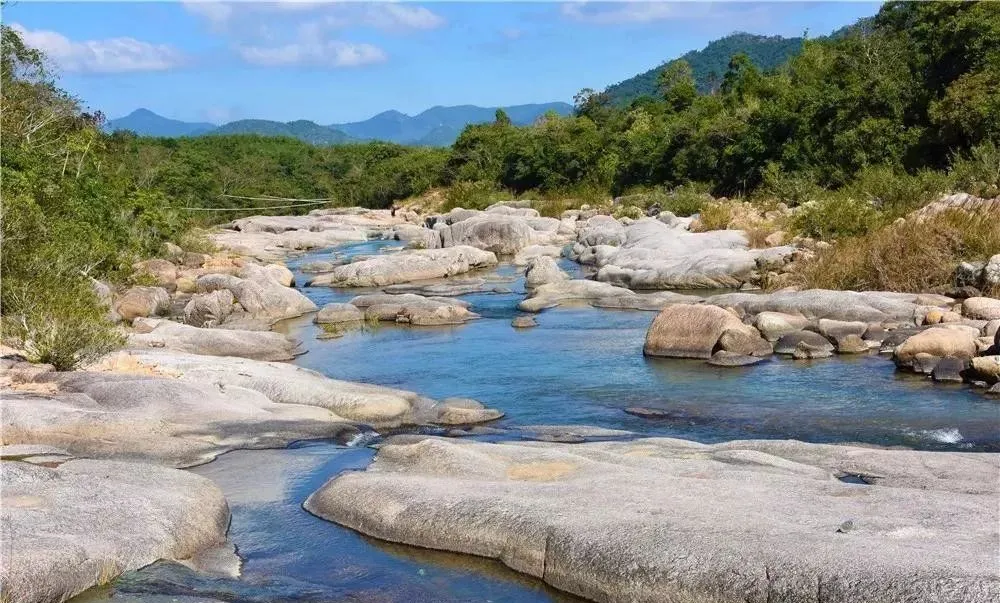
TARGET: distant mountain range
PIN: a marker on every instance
(710, 63)
(438, 126)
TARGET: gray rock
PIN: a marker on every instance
(806, 351)
(533, 251)
(339, 313)
(990, 279)
(698, 331)
(836, 329)
(500, 234)
(724, 358)
(773, 325)
(851, 344)
(408, 266)
(787, 344)
(261, 295)
(463, 411)
(969, 274)
(417, 237)
(814, 304)
(950, 369)
(255, 345)
(598, 294)
(209, 309)
(981, 308)
(939, 341)
(86, 522)
(987, 368)
(543, 270)
(415, 309)
(657, 519)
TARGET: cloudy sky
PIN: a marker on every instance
(342, 61)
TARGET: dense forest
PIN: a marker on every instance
(862, 126)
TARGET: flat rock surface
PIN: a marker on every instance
(814, 304)
(86, 522)
(256, 345)
(407, 266)
(654, 520)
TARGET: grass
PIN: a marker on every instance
(907, 256)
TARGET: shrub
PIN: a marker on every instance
(686, 200)
(905, 256)
(896, 192)
(837, 216)
(979, 171)
(792, 189)
(472, 195)
(63, 324)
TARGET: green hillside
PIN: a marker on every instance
(711, 62)
(302, 129)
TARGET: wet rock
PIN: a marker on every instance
(339, 313)
(86, 522)
(950, 369)
(209, 309)
(542, 270)
(851, 344)
(648, 413)
(597, 294)
(981, 308)
(806, 351)
(937, 341)
(464, 411)
(924, 363)
(524, 322)
(690, 331)
(724, 358)
(256, 345)
(787, 344)
(408, 266)
(684, 514)
(415, 309)
(140, 302)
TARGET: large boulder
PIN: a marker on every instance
(408, 266)
(413, 309)
(260, 292)
(940, 342)
(256, 345)
(774, 325)
(542, 270)
(164, 273)
(339, 314)
(981, 308)
(501, 234)
(140, 302)
(654, 520)
(209, 309)
(698, 331)
(86, 522)
(814, 304)
(790, 342)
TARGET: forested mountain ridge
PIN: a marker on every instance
(437, 126)
(710, 63)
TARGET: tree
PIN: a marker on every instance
(677, 86)
(501, 118)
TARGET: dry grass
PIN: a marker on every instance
(908, 256)
(741, 215)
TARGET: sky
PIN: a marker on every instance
(333, 62)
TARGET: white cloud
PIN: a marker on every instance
(609, 13)
(319, 53)
(217, 13)
(111, 55)
(386, 16)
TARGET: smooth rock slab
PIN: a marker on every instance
(407, 266)
(255, 345)
(86, 522)
(814, 304)
(655, 520)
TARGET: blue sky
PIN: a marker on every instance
(343, 61)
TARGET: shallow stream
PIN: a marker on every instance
(579, 366)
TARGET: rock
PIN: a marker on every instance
(542, 270)
(500, 234)
(524, 322)
(806, 351)
(448, 287)
(533, 251)
(463, 411)
(787, 344)
(814, 304)
(990, 279)
(834, 329)
(209, 309)
(259, 293)
(981, 308)
(186, 284)
(597, 294)
(338, 314)
(876, 333)
(950, 369)
(142, 302)
(171, 250)
(408, 266)
(256, 345)
(937, 341)
(164, 273)
(690, 331)
(724, 358)
(775, 238)
(280, 274)
(957, 202)
(987, 368)
(417, 237)
(670, 520)
(649, 413)
(969, 274)
(924, 363)
(414, 309)
(851, 344)
(773, 325)
(86, 522)
(992, 328)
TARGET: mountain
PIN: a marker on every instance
(440, 126)
(302, 129)
(147, 123)
(437, 126)
(710, 63)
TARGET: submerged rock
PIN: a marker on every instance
(724, 358)
(86, 522)
(661, 520)
(524, 322)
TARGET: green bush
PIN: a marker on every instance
(792, 189)
(472, 195)
(62, 324)
(896, 192)
(978, 172)
(837, 216)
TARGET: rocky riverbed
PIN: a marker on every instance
(407, 325)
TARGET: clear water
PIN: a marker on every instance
(580, 366)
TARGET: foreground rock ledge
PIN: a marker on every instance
(86, 522)
(670, 520)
